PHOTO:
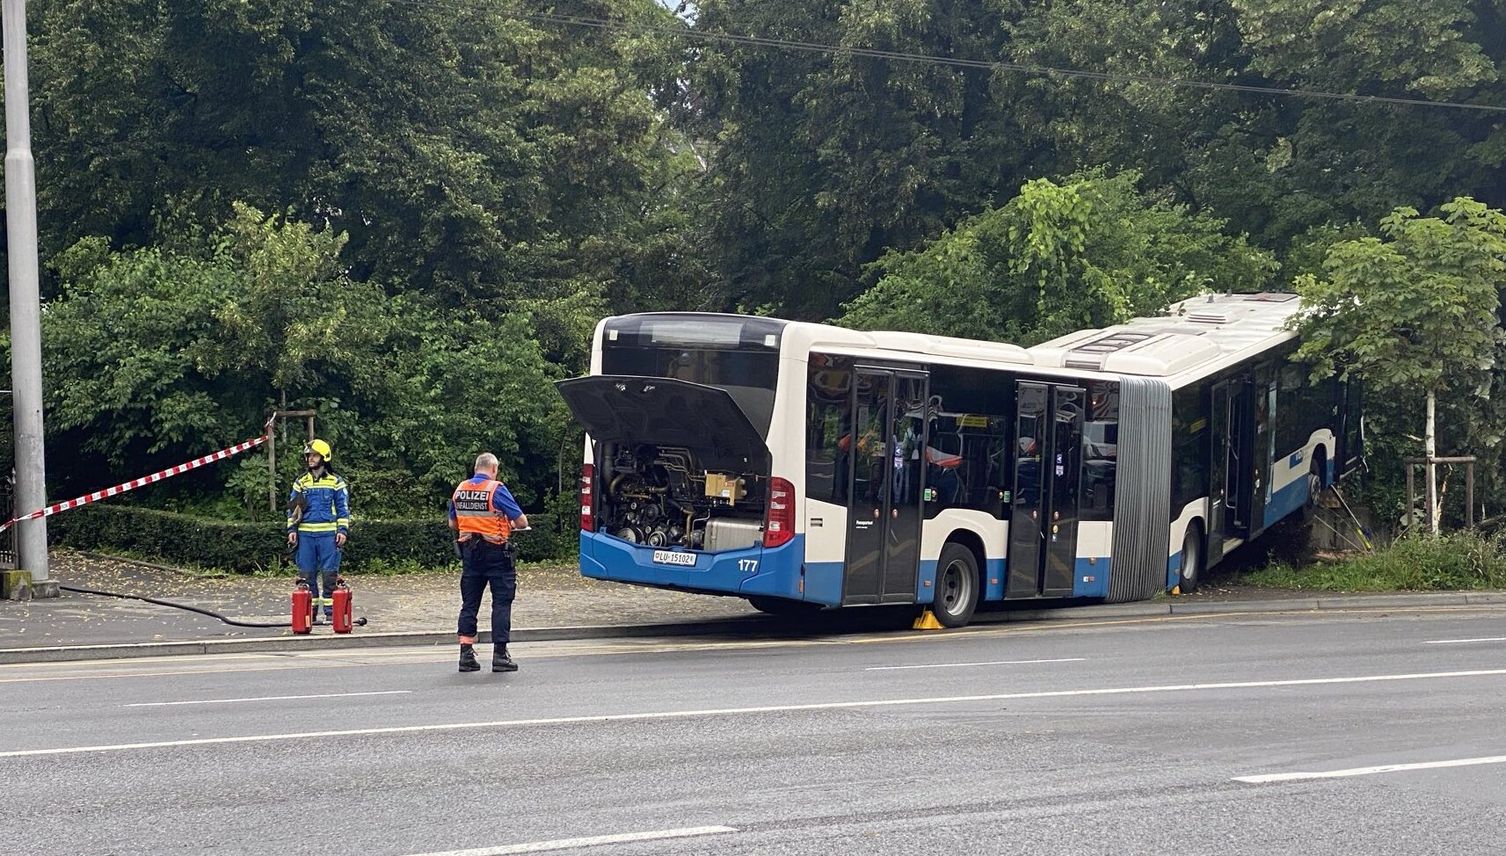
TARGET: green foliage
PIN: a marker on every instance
(1089, 252)
(825, 162)
(375, 545)
(466, 150)
(1451, 562)
(460, 194)
(1415, 312)
(160, 355)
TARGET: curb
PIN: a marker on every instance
(726, 626)
(288, 643)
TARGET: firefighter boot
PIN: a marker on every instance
(468, 659)
(501, 662)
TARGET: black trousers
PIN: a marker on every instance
(486, 564)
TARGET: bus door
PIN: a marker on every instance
(1047, 481)
(1350, 437)
(1263, 395)
(1231, 481)
(884, 450)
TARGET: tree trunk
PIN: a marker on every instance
(1430, 448)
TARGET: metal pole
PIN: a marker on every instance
(1411, 498)
(25, 302)
(1469, 490)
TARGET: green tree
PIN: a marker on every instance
(1413, 312)
(822, 163)
(155, 353)
(1088, 252)
(467, 150)
(159, 355)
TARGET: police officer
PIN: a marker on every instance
(483, 515)
(318, 520)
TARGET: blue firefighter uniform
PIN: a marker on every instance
(319, 509)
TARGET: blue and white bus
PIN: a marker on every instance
(803, 465)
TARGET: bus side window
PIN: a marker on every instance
(828, 439)
(1100, 451)
(1192, 446)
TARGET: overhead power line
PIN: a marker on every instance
(991, 65)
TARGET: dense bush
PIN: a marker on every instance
(250, 547)
(1461, 560)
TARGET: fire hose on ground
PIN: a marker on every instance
(359, 622)
(159, 602)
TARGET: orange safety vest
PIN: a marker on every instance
(475, 515)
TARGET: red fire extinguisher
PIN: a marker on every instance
(341, 599)
(303, 608)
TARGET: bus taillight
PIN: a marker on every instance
(587, 497)
(780, 526)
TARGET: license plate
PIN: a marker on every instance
(673, 557)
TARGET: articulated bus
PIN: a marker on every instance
(803, 465)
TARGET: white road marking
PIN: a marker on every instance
(741, 711)
(988, 663)
(1465, 641)
(593, 841)
(263, 698)
(1370, 771)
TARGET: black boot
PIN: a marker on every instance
(468, 659)
(503, 663)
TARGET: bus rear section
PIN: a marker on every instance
(677, 489)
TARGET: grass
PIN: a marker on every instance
(1453, 562)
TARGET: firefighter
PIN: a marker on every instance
(483, 516)
(318, 520)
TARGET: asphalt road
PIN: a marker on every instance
(1210, 735)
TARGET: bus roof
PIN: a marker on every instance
(1195, 338)
(808, 336)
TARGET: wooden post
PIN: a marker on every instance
(1468, 461)
(308, 416)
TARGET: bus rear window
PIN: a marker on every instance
(740, 355)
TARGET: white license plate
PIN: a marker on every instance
(673, 557)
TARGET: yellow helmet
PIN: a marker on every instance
(320, 448)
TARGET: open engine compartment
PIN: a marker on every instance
(668, 496)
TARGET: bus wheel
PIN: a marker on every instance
(1314, 486)
(1192, 559)
(956, 586)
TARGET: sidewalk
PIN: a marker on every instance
(420, 609)
(413, 603)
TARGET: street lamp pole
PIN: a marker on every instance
(25, 304)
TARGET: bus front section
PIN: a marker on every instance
(678, 490)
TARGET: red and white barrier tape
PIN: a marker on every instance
(144, 480)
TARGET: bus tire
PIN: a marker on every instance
(1315, 477)
(783, 607)
(1192, 559)
(956, 586)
